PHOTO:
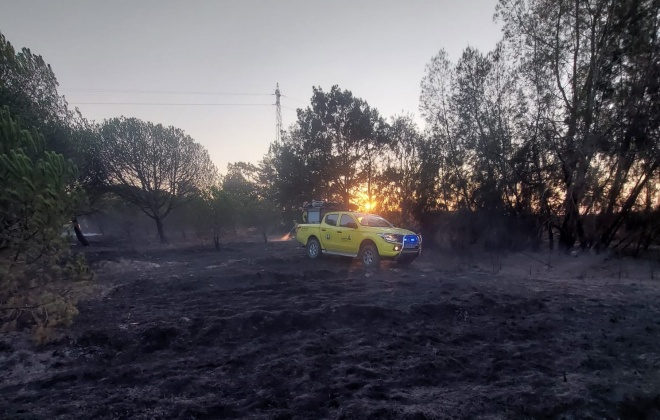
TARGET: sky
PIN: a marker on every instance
(109, 55)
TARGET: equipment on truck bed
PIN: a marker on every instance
(312, 212)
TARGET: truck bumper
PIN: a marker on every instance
(409, 254)
(401, 254)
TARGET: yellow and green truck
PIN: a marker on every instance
(353, 234)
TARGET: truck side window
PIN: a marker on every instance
(331, 220)
(345, 220)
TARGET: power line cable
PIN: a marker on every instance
(165, 92)
(164, 103)
(294, 99)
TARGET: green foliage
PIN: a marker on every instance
(29, 88)
(39, 278)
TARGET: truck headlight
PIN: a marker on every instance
(388, 237)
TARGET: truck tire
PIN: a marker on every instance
(369, 256)
(313, 248)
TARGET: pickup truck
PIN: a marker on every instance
(367, 236)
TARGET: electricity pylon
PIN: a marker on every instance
(278, 107)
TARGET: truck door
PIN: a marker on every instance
(349, 237)
(329, 236)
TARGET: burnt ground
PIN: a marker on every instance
(254, 332)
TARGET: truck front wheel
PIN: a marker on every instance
(369, 256)
(313, 248)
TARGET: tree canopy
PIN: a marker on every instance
(332, 152)
(152, 166)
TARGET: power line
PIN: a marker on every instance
(294, 99)
(164, 103)
(166, 92)
(289, 108)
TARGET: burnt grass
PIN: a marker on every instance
(255, 332)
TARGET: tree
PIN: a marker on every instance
(223, 210)
(333, 151)
(558, 125)
(437, 108)
(29, 88)
(400, 183)
(85, 137)
(38, 274)
(295, 169)
(344, 135)
(244, 187)
(476, 114)
(155, 167)
(632, 93)
(593, 63)
(476, 111)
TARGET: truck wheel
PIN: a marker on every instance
(369, 256)
(313, 248)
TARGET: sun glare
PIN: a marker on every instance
(365, 202)
(368, 206)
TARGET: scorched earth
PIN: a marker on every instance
(259, 331)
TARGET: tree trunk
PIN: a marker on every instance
(551, 237)
(609, 233)
(161, 233)
(216, 241)
(79, 234)
(569, 226)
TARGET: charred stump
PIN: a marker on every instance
(216, 241)
(79, 234)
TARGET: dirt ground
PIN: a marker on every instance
(260, 331)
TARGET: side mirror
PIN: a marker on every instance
(351, 225)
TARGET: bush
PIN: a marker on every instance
(40, 279)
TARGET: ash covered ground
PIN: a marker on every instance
(259, 331)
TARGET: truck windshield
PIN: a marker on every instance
(373, 221)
